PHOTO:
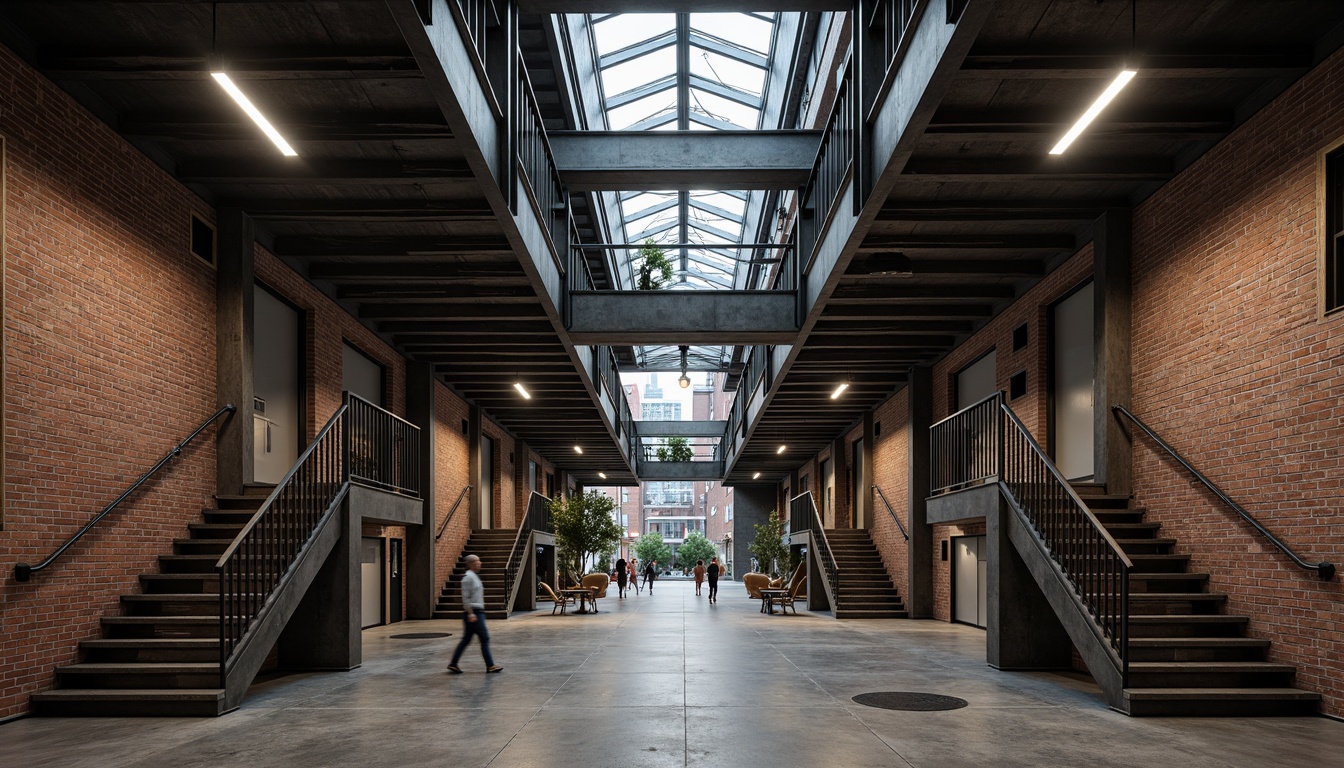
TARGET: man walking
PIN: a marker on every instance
(650, 571)
(473, 617)
(713, 573)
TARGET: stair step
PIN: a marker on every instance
(1160, 563)
(170, 604)
(1224, 702)
(1179, 649)
(136, 675)
(1143, 583)
(171, 650)
(201, 546)
(75, 702)
(1132, 530)
(161, 626)
(240, 502)
(1147, 603)
(1185, 625)
(1153, 546)
(228, 531)
(1209, 674)
(1105, 500)
(845, 613)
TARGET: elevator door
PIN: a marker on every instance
(276, 425)
(828, 494)
(371, 582)
(969, 571)
(1072, 383)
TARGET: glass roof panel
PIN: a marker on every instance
(620, 30)
(661, 103)
(742, 29)
(721, 69)
(640, 71)
(722, 109)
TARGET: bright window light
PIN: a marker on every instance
(254, 113)
(518, 386)
(1110, 93)
(839, 391)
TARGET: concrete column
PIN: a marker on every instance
(920, 560)
(474, 466)
(752, 506)
(1113, 307)
(1022, 631)
(234, 286)
(419, 568)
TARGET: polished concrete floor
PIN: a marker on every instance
(669, 680)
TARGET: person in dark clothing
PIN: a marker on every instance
(621, 577)
(650, 571)
(713, 573)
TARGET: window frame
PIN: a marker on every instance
(1330, 231)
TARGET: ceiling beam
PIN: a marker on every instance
(680, 6)
(875, 310)
(864, 267)
(303, 170)
(408, 293)
(361, 211)
(1076, 63)
(1120, 119)
(1063, 168)
(1044, 241)
(428, 271)
(459, 310)
(191, 63)
(684, 160)
(870, 294)
(996, 210)
(341, 246)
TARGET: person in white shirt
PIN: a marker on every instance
(473, 617)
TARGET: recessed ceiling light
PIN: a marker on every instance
(1112, 90)
(578, 449)
(254, 113)
(839, 390)
(781, 449)
(756, 476)
(519, 386)
(602, 475)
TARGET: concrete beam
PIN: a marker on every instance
(616, 318)
(680, 470)
(680, 6)
(680, 428)
(662, 160)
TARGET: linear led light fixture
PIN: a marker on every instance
(578, 449)
(602, 475)
(519, 386)
(254, 113)
(839, 390)
(781, 449)
(756, 476)
(1112, 90)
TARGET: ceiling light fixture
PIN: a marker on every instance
(781, 449)
(1117, 85)
(602, 475)
(683, 380)
(578, 449)
(756, 476)
(254, 113)
(519, 386)
(839, 390)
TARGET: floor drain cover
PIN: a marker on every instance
(421, 635)
(912, 702)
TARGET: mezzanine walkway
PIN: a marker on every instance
(668, 680)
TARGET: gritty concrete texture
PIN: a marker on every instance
(669, 680)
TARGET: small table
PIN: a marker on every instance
(768, 598)
(583, 595)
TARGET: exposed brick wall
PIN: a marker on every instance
(452, 472)
(504, 495)
(109, 331)
(891, 473)
(1233, 368)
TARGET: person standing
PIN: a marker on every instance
(621, 577)
(699, 571)
(633, 570)
(473, 617)
(713, 573)
(650, 571)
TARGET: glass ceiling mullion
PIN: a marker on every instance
(649, 234)
(736, 218)
(710, 229)
(643, 91)
(715, 123)
(653, 121)
(651, 210)
(728, 50)
(744, 98)
(638, 49)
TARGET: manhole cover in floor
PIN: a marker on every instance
(912, 702)
(421, 635)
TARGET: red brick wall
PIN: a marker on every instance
(452, 467)
(891, 472)
(109, 331)
(1234, 369)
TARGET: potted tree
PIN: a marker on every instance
(771, 552)
(675, 449)
(584, 528)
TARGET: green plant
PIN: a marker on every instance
(772, 554)
(652, 547)
(695, 547)
(655, 268)
(583, 527)
(675, 449)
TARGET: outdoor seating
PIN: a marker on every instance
(754, 582)
(560, 600)
(597, 581)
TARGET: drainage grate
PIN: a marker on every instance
(909, 701)
(421, 635)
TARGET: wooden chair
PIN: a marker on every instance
(562, 601)
(797, 589)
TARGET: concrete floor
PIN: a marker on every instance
(668, 680)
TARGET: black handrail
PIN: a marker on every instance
(1087, 554)
(804, 508)
(1325, 570)
(451, 512)
(24, 571)
(892, 512)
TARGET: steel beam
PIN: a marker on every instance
(679, 470)
(620, 318)
(684, 160)
(680, 428)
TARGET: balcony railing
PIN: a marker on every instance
(965, 446)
